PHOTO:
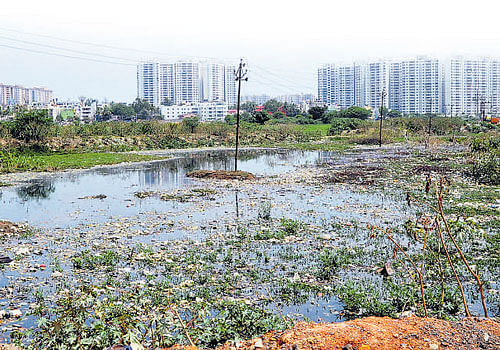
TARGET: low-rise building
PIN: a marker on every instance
(207, 112)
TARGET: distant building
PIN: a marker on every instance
(421, 85)
(296, 99)
(472, 85)
(185, 82)
(206, 111)
(341, 85)
(14, 95)
(418, 86)
(258, 99)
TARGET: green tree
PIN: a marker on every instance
(317, 112)
(122, 110)
(191, 123)
(248, 107)
(391, 113)
(261, 117)
(291, 109)
(31, 126)
(143, 109)
(354, 112)
(278, 115)
(230, 119)
(247, 117)
(272, 105)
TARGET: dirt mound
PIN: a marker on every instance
(8, 228)
(221, 175)
(383, 333)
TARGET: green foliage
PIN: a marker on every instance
(236, 320)
(261, 117)
(485, 155)
(290, 226)
(354, 112)
(230, 119)
(15, 161)
(144, 110)
(87, 260)
(272, 106)
(291, 109)
(317, 112)
(31, 126)
(331, 260)
(248, 107)
(191, 123)
(91, 318)
(122, 110)
(344, 124)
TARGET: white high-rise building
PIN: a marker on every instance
(230, 87)
(185, 82)
(458, 86)
(148, 86)
(341, 85)
(418, 86)
(376, 83)
(213, 82)
(472, 86)
(166, 84)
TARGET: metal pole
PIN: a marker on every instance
(239, 77)
(381, 118)
(237, 117)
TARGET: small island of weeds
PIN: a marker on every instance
(221, 175)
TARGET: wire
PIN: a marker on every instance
(281, 80)
(108, 46)
(65, 49)
(66, 56)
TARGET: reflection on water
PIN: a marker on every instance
(63, 199)
(39, 189)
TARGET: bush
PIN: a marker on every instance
(485, 154)
(31, 126)
(344, 124)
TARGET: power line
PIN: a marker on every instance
(112, 47)
(65, 49)
(287, 86)
(66, 56)
(282, 78)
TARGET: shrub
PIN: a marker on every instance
(31, 126)
(344, 124)
(485, 154)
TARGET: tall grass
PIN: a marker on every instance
(14, 161)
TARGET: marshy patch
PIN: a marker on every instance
(179, 195)
(427, 169)
(356, 175)
(221, 175)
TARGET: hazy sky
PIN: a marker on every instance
(283, 41)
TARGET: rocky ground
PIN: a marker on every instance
(382, 333)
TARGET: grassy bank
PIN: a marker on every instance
(16, 162)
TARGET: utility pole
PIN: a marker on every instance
(381, 117)
(430, 118)
(240, 75)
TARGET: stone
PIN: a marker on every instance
(258, 344)
(15, 313)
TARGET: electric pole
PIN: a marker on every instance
(430, 118)
(240, 75)
(381, 117)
